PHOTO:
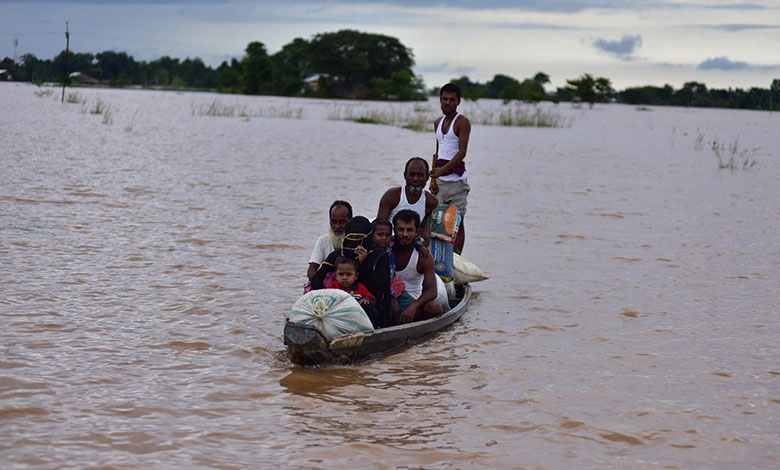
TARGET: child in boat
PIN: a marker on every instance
(382, 230)
(346, 270)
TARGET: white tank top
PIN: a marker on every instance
(448, 147)
(418, 206)
(413, 281)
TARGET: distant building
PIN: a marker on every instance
(84, 79)
(313, 82)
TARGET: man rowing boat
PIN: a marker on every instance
(452, 140)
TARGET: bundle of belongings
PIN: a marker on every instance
(333, 312)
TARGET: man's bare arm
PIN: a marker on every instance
(389, 200)
(425, 226)
(313, 267)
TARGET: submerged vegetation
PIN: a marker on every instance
(731, 157)
(421, 118)
(217, 108)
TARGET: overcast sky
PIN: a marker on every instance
(723, 43)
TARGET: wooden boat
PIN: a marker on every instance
(308, 346)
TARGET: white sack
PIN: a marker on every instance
(441, 294)
(332, 311)
(466, 271)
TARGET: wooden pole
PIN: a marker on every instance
(65, 76)
(434, 183)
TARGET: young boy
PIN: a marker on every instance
(346, 270)
(383, 232)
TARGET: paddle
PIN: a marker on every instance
(434, 183)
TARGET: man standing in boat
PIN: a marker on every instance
(340, 212)
(452, 140)
(418, 301)
(412, 196)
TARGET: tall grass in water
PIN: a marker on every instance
(731, 157)
(100, 107)
(533, 117)
(74, 97)
(40, 93)
(131, 123)
(217, 108)
(421, 118)
(418, 118)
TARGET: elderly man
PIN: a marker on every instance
(412, 196)
(418, 301)
(340, 212)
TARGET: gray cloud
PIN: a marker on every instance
(623, 48)
(561, 6)
(722, 63)
(735, 27)
(445, 68)
(534, 26)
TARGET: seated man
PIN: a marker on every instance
(412, 196)
(340, 212)
(418, 302)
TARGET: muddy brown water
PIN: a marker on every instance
(149, 254)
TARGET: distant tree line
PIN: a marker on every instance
(589, 89)
(115, 69)
(697, 94)
(342, 64)
(353, 64)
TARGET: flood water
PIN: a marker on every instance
(149, 253)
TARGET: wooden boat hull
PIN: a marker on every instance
(308, 346)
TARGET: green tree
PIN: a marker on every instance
(291, 66)
(350, 60)
(647, 95)
(162, 76)
(402, 85)
(229, 77)
(692, 94)
(77, 62)
(774, 95)
(529, 90)
(118, 67)
(256, 70)
(499, 82)
(31, 69)
(584, 89)
(164, 69)
(470, 90)
(542, 78)
(195, 73)
(604, 91)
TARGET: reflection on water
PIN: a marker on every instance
(630, 320)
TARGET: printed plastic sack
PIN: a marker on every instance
(445, 221)
(442, 259)
(466, 271)
(332, 311)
